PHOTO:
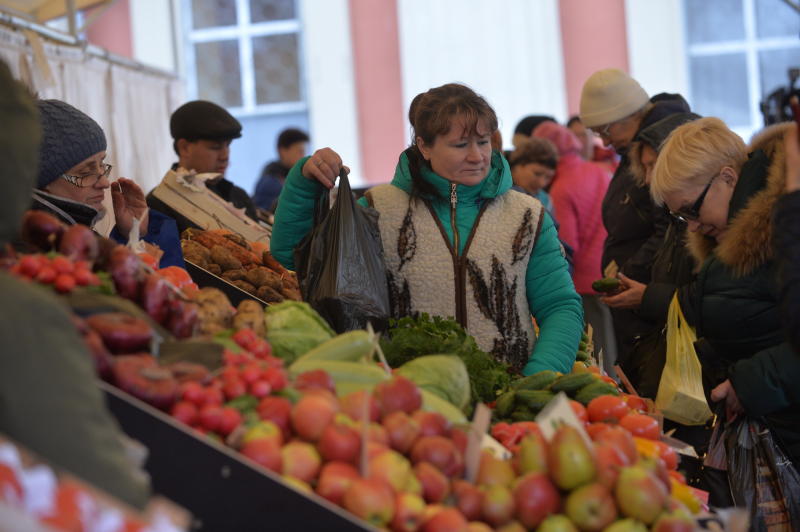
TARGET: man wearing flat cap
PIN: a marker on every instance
(202, 132)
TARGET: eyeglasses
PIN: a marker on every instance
(692, 213)
(89, 180)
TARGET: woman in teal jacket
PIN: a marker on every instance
(457, 240)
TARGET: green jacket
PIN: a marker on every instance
(48, 399)
(551, 295)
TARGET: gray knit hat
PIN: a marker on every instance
(69, 136)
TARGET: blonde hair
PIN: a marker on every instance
(693, 153)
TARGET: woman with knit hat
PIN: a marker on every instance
(577, 191)
(615, 106)
(73, 179)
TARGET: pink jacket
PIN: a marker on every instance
(577, 193)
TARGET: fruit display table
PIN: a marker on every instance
(222, 490)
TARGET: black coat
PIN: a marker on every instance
(734, 303)
(787, 249)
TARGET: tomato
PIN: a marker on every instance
(607, 407)
(276, 377)
(528, 427)
(595, 429)
(211, 417)
(234, 388)
(230, 419)
(635, 402)
(677, 476)
(213, 395)
(149, 260)
(244, 338)
(82, 277)
(669, 455)
(185, 412)
(64, 283)
(176, 275)
(260, 388)
(62, 264)
(260, 348)
(29, 265)
(193, 392)
(641, 425)
(501, 431)
(47, 274)
(250, 373)
(609, 380)
(580, 411)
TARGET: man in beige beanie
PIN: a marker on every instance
(616, 107)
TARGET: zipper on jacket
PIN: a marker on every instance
(453, 205)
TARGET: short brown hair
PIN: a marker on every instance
(535, 150)
(432, 112)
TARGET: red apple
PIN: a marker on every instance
(609, 461)
(640, 494)
(591, 507)
(440, 452)
(339, 442)
(185, 412)
(459, 437)
(399, 393)
(300, 460)
(352, 404)
(621, 440)
(370, 499)
(311, 414)
(535, 497)
(674, 522)
(277, 410)
(334, 479)
(378, 434)
(402, 431)
(498, 505)
(392, 468)
(435, 486)
(211, 417)
(408, 514)
(469, 499)
(477, 526)
(265, 452)
(446, 520)
(431, 423)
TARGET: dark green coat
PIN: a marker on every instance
(49, 402)
(734, 302)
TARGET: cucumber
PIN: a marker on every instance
(533, 399)
(606, 285)
(537, 381)
(570, 384)
(504, 404)
(582, 356)
(521, 415)
(593, 390)
(582, 346)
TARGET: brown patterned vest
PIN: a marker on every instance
(485, 288)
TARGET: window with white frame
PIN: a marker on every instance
(739, 51)
(244, 55)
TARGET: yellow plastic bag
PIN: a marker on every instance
(680, 393)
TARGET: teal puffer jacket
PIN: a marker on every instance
(552, 299)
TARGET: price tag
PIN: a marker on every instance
(477, 431)
(559, 412)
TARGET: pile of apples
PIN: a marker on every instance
(380, 457)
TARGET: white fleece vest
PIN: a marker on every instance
(485, 289)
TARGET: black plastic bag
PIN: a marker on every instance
(761, 476)
(340, 264)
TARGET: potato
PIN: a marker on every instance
(234, 275)
(191, 248)
(266, 293)
(225, 259)
(264, 276)
(244, 285)
(216, 311)
(214, 268)
(249, 315)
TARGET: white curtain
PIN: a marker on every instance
(131, 105)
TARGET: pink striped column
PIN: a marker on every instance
(378, 83)
(112, 30)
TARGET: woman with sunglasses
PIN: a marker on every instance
(73, 179)
(726, 193)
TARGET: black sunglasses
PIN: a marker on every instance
(693, 213)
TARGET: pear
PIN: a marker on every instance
(532, 455)
(640, 494)
(569, 459)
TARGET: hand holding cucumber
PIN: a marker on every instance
(628, 293)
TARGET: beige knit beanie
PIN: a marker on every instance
(610, 95)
